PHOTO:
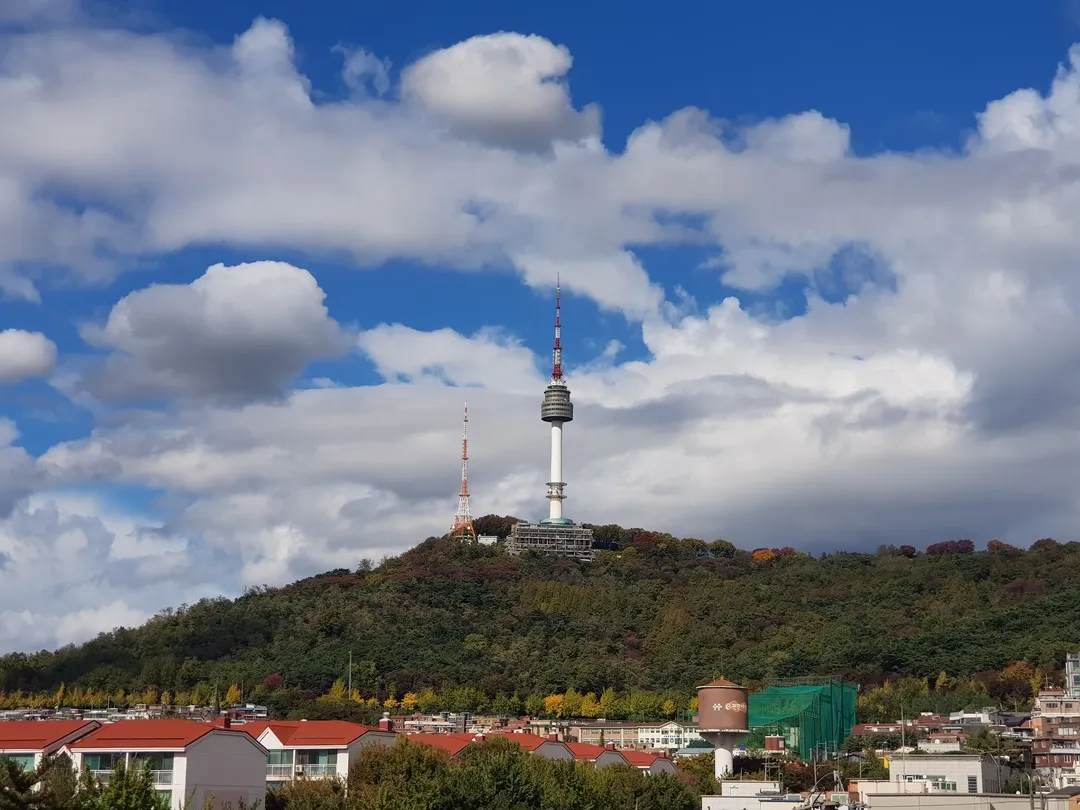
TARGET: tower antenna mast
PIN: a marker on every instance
(463, 522)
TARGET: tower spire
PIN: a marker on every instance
(556, 357)
(463, 522)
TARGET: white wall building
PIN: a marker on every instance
(27, 741)
(312, 748)
(948, 773)
(188, 760)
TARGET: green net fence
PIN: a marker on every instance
(814, 719)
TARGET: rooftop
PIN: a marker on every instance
(153, 734)
(37, 735)
(309, 733)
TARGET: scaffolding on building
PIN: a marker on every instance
(813, 715)
(563, 538)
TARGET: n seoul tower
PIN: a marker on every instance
(557, 410)
(555, 534)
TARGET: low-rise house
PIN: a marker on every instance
(452, 744)
(28, 741)
(600, 756)
(189, 760)
(312, 748)
(549, 747)
(651, 764)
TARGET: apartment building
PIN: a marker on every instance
(188, 760)
(312, 748)
(28, 741)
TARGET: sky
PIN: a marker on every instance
(818, 269)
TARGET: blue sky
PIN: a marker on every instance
(817, 266)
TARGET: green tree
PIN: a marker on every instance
(130, 789)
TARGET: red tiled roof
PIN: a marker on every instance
(453, 744)
(587, 751)
(136, 734)
(37, 735)
(640, 759)
(529, 742)
(309, 733)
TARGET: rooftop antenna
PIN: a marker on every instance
(463, 522)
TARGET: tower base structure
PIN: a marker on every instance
(559, 536)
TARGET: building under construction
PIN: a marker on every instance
(564, 539)
(555, 534)
(813, 715)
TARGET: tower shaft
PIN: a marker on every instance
(557, 409)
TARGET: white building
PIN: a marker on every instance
(965, 801)
(750, 794)
(27, 741)
(312, 748)
(947, 773)
(188, 760)
(670, 735)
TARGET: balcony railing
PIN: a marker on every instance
(318, 770)
(160, 777)
(279, 771)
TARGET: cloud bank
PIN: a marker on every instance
(928, 390)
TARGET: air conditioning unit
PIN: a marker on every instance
(299, 770)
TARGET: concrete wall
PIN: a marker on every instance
(963, 801)
(229, 766)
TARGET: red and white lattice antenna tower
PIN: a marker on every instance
(556, 356)
(463, 522)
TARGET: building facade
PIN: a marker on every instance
(189, 761)
(312, 749)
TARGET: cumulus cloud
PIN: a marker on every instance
(18, 473)
(25, 354)
(505, 89)
(73, 567)
(234, 335)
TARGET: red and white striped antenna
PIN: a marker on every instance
(556, 357)
(463, 522)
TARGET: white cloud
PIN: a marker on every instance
(363, 67)
(25, 354)
(233, 335)
(505, 89)
(71, 567)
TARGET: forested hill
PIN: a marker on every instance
(656, 614)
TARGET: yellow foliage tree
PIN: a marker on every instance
(166, 699)
(409, 702)
(554, 705)
(590, 706)
(356, 697)
(390, 703)
(337, 692)
(669, 708)
(232, 696)
(61, 693)
(693, 704)
(372, 702)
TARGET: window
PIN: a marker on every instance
(161, 766)
(102, 764)
(973, 784)
(25, 761)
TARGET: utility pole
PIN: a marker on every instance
(350, 675)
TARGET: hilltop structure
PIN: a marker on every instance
(555, 534)
(463, 522)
